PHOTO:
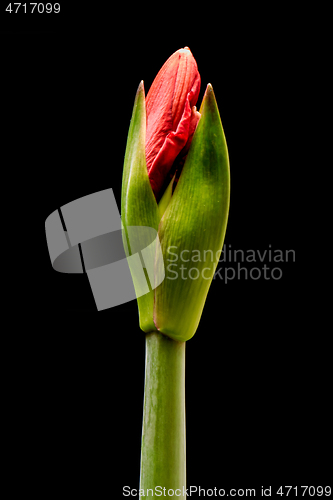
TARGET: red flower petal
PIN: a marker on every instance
(170, 120)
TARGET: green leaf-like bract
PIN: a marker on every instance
(194, 223)
(138, 203)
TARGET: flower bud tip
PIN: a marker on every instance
(185, 49)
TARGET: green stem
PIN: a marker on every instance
(163, 450)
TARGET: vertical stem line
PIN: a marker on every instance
(163, 449)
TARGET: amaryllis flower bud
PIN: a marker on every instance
(171, 117)
(191, 218)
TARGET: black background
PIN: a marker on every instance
(256, 378)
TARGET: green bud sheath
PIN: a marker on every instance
(193, 223)
(193, 227)
(138, 203)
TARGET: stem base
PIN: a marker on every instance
(163, 450)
